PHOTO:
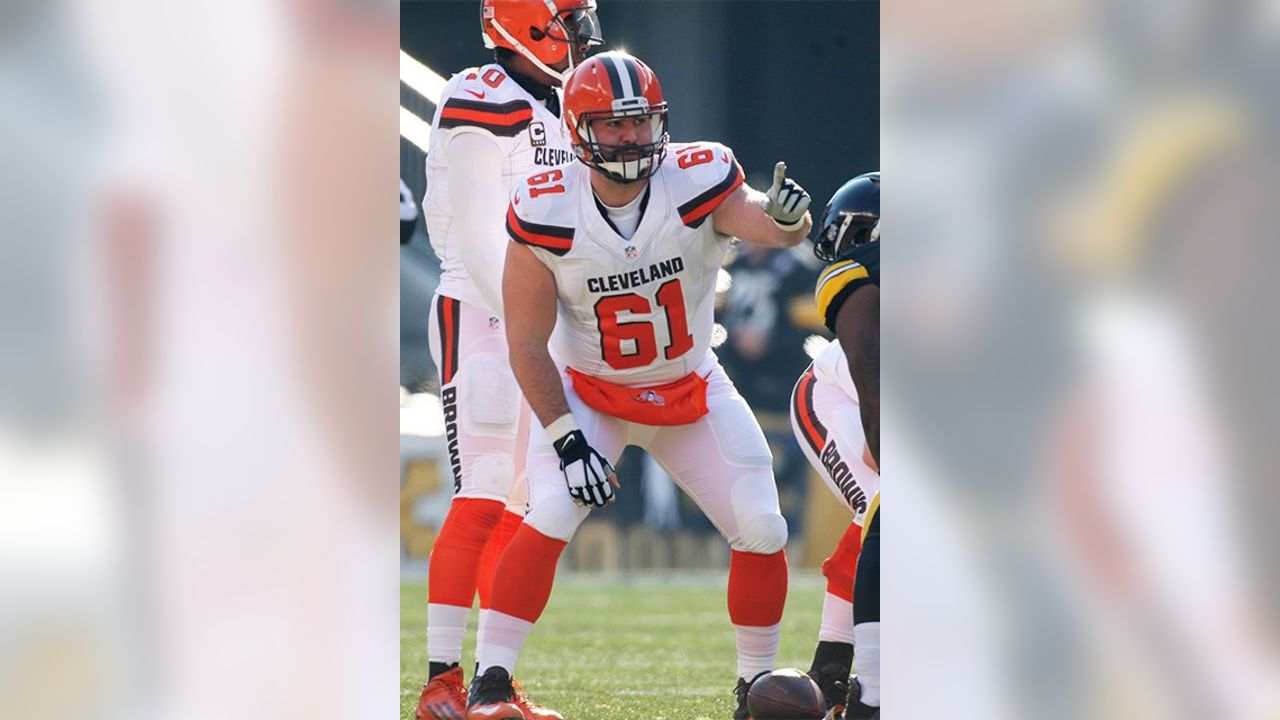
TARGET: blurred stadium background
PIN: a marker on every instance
(749, 74)
(1083, 212)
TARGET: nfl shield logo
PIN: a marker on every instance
(493, 323)
(631, 252)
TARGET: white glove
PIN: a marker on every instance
(586, 472)
(786, 202)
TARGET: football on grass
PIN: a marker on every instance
(786, 694)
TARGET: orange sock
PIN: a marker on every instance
(839, 569)
(455, 558)
(757, 588)
(498, 541)
(522, 582)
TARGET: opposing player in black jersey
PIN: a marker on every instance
(836, 419)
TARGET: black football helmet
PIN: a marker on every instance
(852, 217)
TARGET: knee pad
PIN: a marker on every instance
(762, 534)
(490, 476)
(556, 520)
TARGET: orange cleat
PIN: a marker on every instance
(531, 710)
(495, 711)
(444, 697)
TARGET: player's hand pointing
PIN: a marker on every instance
(786, 202)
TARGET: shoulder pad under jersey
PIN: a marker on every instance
(700, 176)
(858, 266)
(542, 208)
(485, 98)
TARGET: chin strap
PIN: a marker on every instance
(528, 54)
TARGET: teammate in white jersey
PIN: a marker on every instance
(841, 438)
(493, 124)
(609, 289)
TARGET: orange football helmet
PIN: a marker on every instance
(614, 85)
(543, 31)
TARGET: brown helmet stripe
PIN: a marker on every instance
(633, 74)
(615, 80)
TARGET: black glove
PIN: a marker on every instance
(586, 472)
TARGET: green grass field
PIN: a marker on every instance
(652, 647)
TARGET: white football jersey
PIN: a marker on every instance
(634, 312)
(831, 366)
(485, 100)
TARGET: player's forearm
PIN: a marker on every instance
(539, 380)
(864, 368)
(530, 288)
(858, 327)
(769, 233)
(871, 427)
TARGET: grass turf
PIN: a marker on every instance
(651, 647)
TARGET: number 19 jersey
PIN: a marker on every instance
(636, 311)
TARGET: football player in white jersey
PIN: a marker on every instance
(494, 124)
(841, 437)
(609, 289)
